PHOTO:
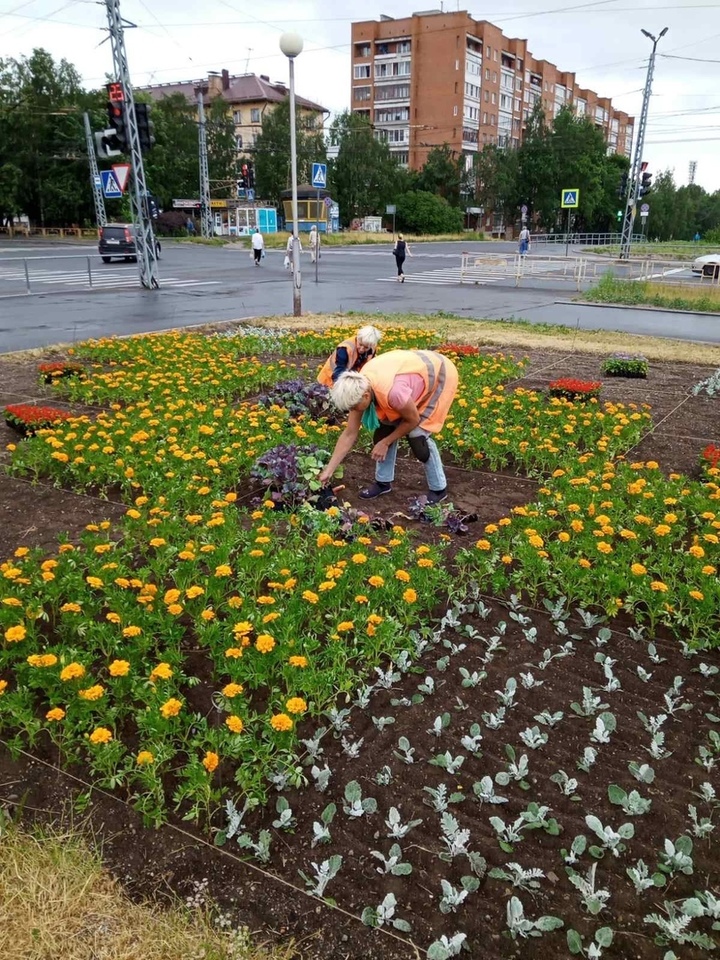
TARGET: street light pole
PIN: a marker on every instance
(291, 45)
(634, 182)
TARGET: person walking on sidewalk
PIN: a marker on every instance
(314, 241)
(402, 393)
(351, 354)
(401, 250)
(524, 241)
(289, 253)
(258, 245)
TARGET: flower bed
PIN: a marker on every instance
(710, 461)
(626, 365)
(52, 372)
(27, 419)
(571, 389)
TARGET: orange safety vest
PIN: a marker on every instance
(439, 375)
(326, 374)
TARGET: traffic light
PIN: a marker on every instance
(146, 128)
(619, 215)
(622, 186)
(645, 184)
(106, 145)
(116, 117)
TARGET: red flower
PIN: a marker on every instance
(462, 349)
(575, 389)
(28, 418)
(711, 454)
(49, 372)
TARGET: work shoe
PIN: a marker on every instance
(376, 489)
(437, 496)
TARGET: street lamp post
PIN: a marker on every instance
(291, 45)
(634, 182)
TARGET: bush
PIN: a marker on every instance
(572, 389)
(299, 398)
(422, 212)
(290, 472)
(171, 223)
(626, 365)
(712, 236)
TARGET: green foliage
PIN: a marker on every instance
(678, 213)
(422, 212)
(171, 167)
(272, 152)
(443, 174)
(610, 289)
(365, 176)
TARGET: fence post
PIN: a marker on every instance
(89, 272)
(27, 275)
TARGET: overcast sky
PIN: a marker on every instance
(600, 41)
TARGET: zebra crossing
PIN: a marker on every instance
(448, 275)
(101, 279)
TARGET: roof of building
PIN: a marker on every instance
(245, 88)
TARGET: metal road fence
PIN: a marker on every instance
(28, 275)
(583, 239)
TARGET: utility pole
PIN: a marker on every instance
(144, 237)
(206, 221)
(95, 181)
(634, 182)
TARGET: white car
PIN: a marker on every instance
(707, 266)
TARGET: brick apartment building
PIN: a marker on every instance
(436, 77)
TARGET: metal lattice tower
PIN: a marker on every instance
(634, 180)
(206, 220)
(144, 237)
(95, 182)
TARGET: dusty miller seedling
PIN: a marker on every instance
(285, 820)
(261, 847)
(440, 724)
(384, 914)
(676, 857)
(384, 777)
(632, 803)
(454, 837)
(393, 863)
(527, 880)
(604, 726)
(397, 829)
(484, 790)
(590, 704)
(594, 900)
(453, 897)
(642, 771)
(382, 722)
(407, 752)
(446, 761)
(673, 927)
(533, 737)
(549, 719)
(517, 770)
(568, 785)
(603, 938)
(519, 926)
(351, 748)
(438, 798)
(321, 830)
(445, 948)
(471, 741)
(354, 805)
(324, 873)
(472, 679)
(610, 839)
(642, 879)
(588, 759)
(700, 828)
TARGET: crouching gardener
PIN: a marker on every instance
(351, 354)
(403, 393)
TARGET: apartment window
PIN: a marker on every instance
(505, 102)
(237, 117)
(393, 91)
(402, 157)
(456, 87)
(471, 90)
(487, 96)
(361, 71)
(255, 115)
(518, 83)
(381, 49)
(517, 105)
(400, 68)
(471, 113)
(488, 52)
(455, 111)
(495, 56)
(493, 98)
(403, 46)
(392, 115)
(362, 50)
(487, 73)
(485, 120)
(493, 119)
(457, 64)
(494, 77)
(238, 142)
(361, 93)
(546, 85)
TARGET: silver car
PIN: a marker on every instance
(707, 266)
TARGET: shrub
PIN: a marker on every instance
(299, 398)
(573, 389)
(290, 472)
(421, 212)
(27, 419)
(626, 365)
(171, 223)
(51, 372)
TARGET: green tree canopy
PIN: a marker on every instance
(421, 212)
(443, 174)
(271, 154)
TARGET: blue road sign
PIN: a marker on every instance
(97, 180)
(570, 198)
(111, 187)
(319, 175)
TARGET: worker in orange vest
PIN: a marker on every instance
(402, 393)
(351, 354)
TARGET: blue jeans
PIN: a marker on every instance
(434, 473)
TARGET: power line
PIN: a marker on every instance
(669, 56)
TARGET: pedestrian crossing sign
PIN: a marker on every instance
(570, 198)
(319, 176)
(111, 187)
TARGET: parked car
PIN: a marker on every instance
(117, 241)
(707, 266)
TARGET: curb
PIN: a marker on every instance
(627, 306)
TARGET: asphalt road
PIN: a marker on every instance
(202, 284)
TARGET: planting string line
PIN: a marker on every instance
(532, 373)
(51, 486)
(199, 840)
(654, 427)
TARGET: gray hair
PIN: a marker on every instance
(348, 390)
(369, 336)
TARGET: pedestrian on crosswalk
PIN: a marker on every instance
(258, 245)
(314, 241)
(400, 250)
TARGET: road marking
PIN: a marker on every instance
(663, 273)
(451, 275)
(106, 279)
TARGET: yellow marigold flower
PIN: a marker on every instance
(15, 634)
(269, 617)
(366, 541)
(403, 576)
(697, 595)
(323, 540)
(269, 504)
(709, 569)
(310, 596)
(101, 735)
(638, 570)
(345, 626)
(132, 631)
(710, 538)
(361, 598)
(171, 708)
(506, 558)
(112, 617)
(92, 693)
(536, 541)
(233, 653)
(207, 615)
(409, 595)
(21, 552)
(12, 602)
(298, 661)
(175, 609)
(192, 592)
(157, 542)
(296, 705)
(359, 558)
(628, 535)
(376, 581)
(662, 530)
(604, 547)
(119, 668)
(73, 671)
(42, 660)
(483, 545)
(231, 690)
(144, 758)
(71, 608)
(95, 582)
(223, 570)
(265, 643)
(265, 601)
(163, 671)
(696, 551)
(55, 715)
(563, 537)
(171, 596)
(658, 586)
(210, 761)
(256, 553)
(585, 564)
(425, 562)
(281, 722)
(234, 723)
(327, 585)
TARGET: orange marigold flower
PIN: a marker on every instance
(171, 708)
(709, 569)
(403, 576)
(92, 693)
(696, 551)
(231, 690)
(658, 586)
(144, 758)
(223, 570)
(310, 596)
(376, 581)
(662, 530)
(73, 671)
(323, 540)
(697, 595)
(361, 598)
(163, 671)
(298, 661)
(536, 541)
(112, 617)
(425, 562)
(42, 660)
(359, 558)
(585, 564)
(100, 735)
(281, 722)
(132, 631)
(15, 634)
(409, 595)
(563, 536)
(234, 653)
(638, 570)
(604, 547)
(296, 705)
(210, 761)
(483, 545)
(422, 549)
(55, 715)
(234, 723)
(95, 582)
(193, 592)
(71, 608)
(265, 643)
(506, 558)
(171, 596)
(119, 668)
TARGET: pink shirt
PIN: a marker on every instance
(406, 386)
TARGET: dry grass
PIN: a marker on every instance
(698, 294)
(58, 903)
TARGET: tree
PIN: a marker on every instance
(443, 174)
(421, 212)
(537, 173)
(172, 167)
(271, 154)
(365, 176)
(580, 155)
(223, 160)
(495, 179)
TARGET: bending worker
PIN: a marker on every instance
(403, 393)
(351, 354)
